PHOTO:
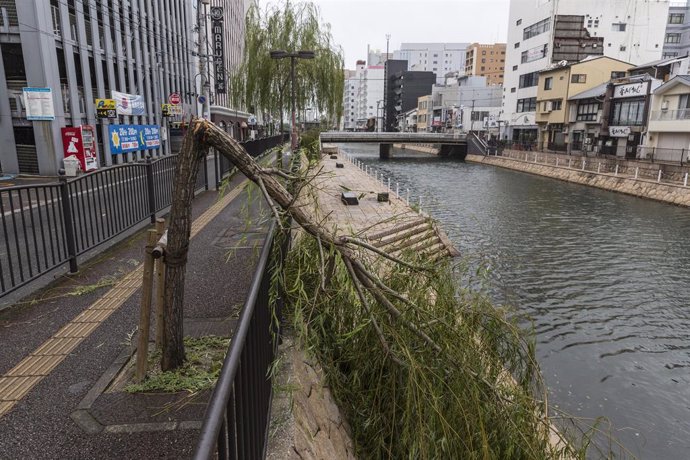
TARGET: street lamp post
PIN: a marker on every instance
(281, 54)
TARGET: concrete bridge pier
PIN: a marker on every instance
(385, 151)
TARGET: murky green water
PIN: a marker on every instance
(606, 278)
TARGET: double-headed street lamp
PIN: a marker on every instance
(281, 54)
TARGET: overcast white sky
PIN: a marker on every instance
(356, 23)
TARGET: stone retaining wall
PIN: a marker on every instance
(669, 193)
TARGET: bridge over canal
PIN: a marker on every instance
(451, 144)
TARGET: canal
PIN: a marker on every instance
(605, 278)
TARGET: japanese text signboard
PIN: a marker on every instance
(130, 138)
(218, 49)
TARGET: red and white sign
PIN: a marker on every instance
(175, 99)
(80, 141)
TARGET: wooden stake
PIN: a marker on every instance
(145, 308)
(160, 287)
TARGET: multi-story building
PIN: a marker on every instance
(402, 88)
(74, 51)
(677, 38)
(558, 84)
(424, 113)
(464, 104)
(439, 58)
(222, 61)
(363, 95)
(668, 133)
(546, 32)
(486, 61)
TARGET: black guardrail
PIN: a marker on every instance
(45, 226)
(237, 416)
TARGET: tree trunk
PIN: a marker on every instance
(186, 169)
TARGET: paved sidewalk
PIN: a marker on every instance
(58, 347)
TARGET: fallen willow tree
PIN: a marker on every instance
(421, 369)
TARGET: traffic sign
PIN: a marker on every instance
(201, 99)
(175, 99)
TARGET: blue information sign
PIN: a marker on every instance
(130, 138)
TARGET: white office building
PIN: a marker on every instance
(439, 58)
(363, 96)
(545, 32)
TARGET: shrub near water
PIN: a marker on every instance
(458, 402)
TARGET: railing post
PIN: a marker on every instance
(658, 179)
(682, 152)
(216, 168)
(583, 164)
(598, 168)
(637, 171)
(151, 189)
(69, 225)
(205, 172)
(615, 173)
(685, 182)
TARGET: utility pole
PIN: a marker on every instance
(388, 39)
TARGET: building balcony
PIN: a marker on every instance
(670, 120)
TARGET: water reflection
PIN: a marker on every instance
(603, 275)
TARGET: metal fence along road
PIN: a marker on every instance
(237, 416)
(45, 226)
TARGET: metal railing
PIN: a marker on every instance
(664, 115)
(665, 173)
(404, 137)
(45, 226)
(223, 166)
(238, 414)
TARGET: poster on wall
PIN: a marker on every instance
(39, 104)
(130, 138)
(129, 104)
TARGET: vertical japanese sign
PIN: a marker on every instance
(218, 49)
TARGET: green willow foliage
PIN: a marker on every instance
(262, 84)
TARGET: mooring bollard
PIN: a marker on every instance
(637, 171)
(658, 179)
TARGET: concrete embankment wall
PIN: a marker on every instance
(669, 193)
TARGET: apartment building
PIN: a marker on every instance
(557, 85)
(424, 113)
(486, 61)
(546, 32)
(668, 132)
(363, 95)
(402, 88)
(677, 38)
(439, 58)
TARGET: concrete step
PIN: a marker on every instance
(374, 238)
(408, 233)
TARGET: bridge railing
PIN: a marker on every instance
(420, 138)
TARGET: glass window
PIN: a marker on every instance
(578, 78)
(616, 74)
(672, 38)
(676, 18)
(536, 29)
(618, 27)
(534, 54)
(548, 83)
(628, 113)
(588, 111)
(528, 104)
(529, 79)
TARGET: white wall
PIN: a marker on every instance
(439, 58)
